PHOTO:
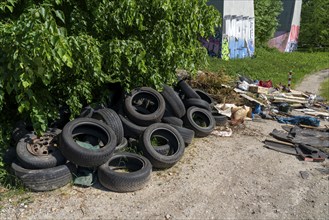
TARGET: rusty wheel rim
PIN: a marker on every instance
(42, 146)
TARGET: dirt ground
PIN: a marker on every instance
(218, 178)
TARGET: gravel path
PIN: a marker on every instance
(312, 83)
(218, 178)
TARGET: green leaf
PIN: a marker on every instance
(43, 12)
(10, 8)
(60, 15)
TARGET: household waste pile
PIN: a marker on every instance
(282, 103)
(302, 136)
(118, 144)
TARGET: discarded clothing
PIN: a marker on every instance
(297, 120)
(84, 177)
(87, 145)
(266, 84)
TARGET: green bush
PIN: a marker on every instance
(314, 31)
(62, 52)
(266, 19)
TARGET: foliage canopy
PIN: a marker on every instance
(266, 19)
(65, 52)
(314, 27)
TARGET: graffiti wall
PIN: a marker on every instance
(286, 41)
(286, 37)
(235, 38)
(293, 39)
(238, 37)
(213, 44)
(279, 40)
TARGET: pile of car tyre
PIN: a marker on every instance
(155, 126)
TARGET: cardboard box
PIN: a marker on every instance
(258, 89)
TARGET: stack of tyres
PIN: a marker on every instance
(39, 164)
(160, 124)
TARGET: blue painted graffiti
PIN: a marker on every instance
(213, 44)
(239, 30)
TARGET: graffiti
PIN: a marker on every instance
(239, 32)
(279, 41)
(285, 41)
(293, 39)
(213, 44)
(225, 49)
(235, 40)
(286, 37)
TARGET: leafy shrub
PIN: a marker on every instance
(266, 19)
(62, 52)
(314, 32)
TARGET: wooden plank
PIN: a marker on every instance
(239, 91)
(325, 114)
(251, 99)
(305, 110)
(280, 142)
(279, 99)
(293, 97)
(298, 93)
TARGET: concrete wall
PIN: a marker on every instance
(239, 7)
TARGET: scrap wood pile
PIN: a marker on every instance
(302, 112)
(297, 107)
(259, 100)
(119, 143)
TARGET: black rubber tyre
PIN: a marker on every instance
(187, 134)
(139, 172)
(44, 179)
(131, 130)
(82, 156)
(163, 149)
(144, 106)
(9, 156)
(221, 120)
(197, 102)
(50, 157)
(200, 121)
(173, 100)
(187, 90)
(86, 112)
(204, 96)
(174, 140)
(121, 146)
(19, 133)
(172, 120)
(112, 119)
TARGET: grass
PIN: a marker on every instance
(270, 64)
(325, 89)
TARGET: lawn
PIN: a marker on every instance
(270, 64)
